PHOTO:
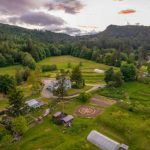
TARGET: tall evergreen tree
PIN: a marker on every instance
(16, 102)
(61, 90)
(140, 57)
(6, 83)
(76, 76)
(109, 75)
(129, 72)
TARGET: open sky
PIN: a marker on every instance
(74, 17)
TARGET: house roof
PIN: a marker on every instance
(57, 114)
(102, 141)
(68, 118)
(32, 102)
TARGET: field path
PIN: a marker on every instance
(47, 94)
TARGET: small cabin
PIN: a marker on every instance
(57, 117)
(62, 118)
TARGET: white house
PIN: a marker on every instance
(53, 85)
(34, 103)
(105, 143)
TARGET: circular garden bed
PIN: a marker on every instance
(87, 111)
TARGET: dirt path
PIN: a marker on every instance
(47, 94)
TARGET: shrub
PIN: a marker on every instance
(129, 72)
(22, 75)
(19, 125)
(46, 68)
(28, 60)
(109, 75)
(6, 83)
(84, 97)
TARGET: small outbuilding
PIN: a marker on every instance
(105, 143)
(62, 118)
(67, 120)
(57, 117)
(34, 103)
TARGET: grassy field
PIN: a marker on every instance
(3, 102)
(129, 125)
(87, 67)
(62, 63)
(11, 70)
(117, 123)
(133, 91)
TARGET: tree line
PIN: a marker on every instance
(26, 47)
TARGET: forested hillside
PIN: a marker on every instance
(112, 46)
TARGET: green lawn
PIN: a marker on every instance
(9, 70)
(3, 104)
(77, 91)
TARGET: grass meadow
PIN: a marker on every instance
(129, 124)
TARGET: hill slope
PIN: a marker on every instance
(130, 36)
(42, 36)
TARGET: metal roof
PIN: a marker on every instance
(68, 118)
(32, 102)
(102, 141)
(57, 114)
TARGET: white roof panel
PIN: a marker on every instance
(32, 102)
(68, 118)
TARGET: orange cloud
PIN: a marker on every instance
(127, 11)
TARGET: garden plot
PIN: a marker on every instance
(102, 101)
(88, 111)
(100, 104)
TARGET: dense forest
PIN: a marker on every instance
(112, 46)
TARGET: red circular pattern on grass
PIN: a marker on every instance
(87, 111)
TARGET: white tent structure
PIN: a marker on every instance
(103, 142)
(99, 71)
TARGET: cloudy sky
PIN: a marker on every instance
(74, 17)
